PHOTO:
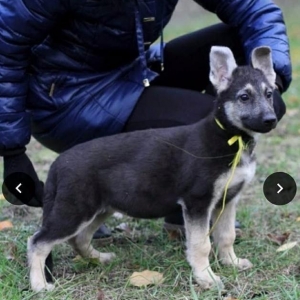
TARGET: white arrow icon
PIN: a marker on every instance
(280, 188)
(17, 188)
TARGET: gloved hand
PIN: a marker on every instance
(17, 161)
(278, 103)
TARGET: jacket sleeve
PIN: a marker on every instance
(260, 22)
(23, 23)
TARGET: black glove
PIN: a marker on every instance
(278, 103)
(17, 161)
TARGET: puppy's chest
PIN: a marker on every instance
(245, 170)
(242, 175)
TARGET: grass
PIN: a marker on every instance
(274, 275)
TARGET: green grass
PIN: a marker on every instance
(274, 275)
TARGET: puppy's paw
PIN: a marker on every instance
(208, 280)
(107, 257)
(243, 264)
(39, 286)
(240, 263)
(50, 287)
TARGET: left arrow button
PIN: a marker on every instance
(18, 188)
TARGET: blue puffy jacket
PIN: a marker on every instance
(54, 55)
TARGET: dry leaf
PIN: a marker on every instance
(100, 295)
(278, 239)
(286, 246)
(6, 224)
(298, 219)
(230, 298)
(174, 234)
(10, 251)
(146, 278)
(2, 197)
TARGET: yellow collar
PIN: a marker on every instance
(232, 140)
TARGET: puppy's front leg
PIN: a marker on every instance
(198, 248)
(224, 236)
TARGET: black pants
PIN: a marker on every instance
(176, 97)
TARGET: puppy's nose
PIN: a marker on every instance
(270, 121)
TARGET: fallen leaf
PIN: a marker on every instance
(230, 298)
(145, 278)
(298, 219)
(10, 251)
(286, 246)
(6, 224)
(2, 197)
(174, 235)
(100, 295)
(278, 239)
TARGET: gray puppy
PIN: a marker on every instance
(154, 173)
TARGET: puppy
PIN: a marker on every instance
(154, 173)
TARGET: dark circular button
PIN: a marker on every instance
(18, 188)
(280, 188)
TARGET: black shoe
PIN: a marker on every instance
(103, 234)
(237, 225)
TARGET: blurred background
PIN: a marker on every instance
(189, 15)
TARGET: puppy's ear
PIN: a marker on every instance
(261, 58)
(222, 64)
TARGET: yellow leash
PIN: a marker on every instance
(235, 162)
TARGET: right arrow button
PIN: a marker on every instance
(280, 188)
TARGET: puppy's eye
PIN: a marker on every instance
(244, 97)
(269, 95)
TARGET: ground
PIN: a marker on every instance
(275, 275)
